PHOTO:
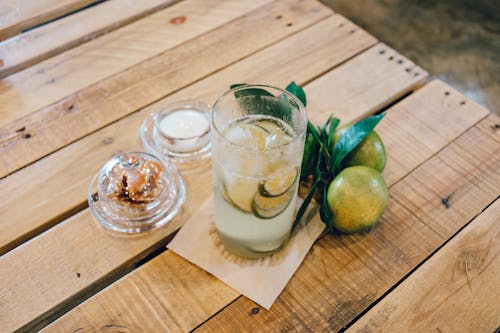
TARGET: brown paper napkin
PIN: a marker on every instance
(261, 280)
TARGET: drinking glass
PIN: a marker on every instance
(258, 135)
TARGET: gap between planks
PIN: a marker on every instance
(382, 312)
(22, 15)
(40, 43)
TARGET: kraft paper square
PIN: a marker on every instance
(261, 280)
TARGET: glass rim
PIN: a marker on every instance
(301, 107)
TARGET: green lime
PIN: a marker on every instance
(370, 152)
(357, 198)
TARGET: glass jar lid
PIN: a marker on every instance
(179, 131)
(135, 192)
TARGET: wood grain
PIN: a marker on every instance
(343, 275)
(111, 99)
(420, 134)
(61, 290)
(43, 42)
(340, 93)
(18, 15)
(456, 290)
(61, 179)
(165, 277)
(76, 258)
(67, 73)
(356, 88)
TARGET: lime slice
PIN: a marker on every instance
(279, 181)
(240, 193)
(269, 207)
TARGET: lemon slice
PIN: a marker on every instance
(240, 193)
(269, 207)
(279, 181)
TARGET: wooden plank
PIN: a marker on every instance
(166, 277)
(64, 75)
(75, 244)
(350, 91)
(341, 94)
(414, 139)
(456, 290)
(343, 275)
(84, 157)
(17, 15)
(43, 42)
(107, 101)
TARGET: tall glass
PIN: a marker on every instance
(258, 135)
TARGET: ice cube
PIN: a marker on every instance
(247, 135)
(236, 134)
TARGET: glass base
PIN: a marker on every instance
(248, 251)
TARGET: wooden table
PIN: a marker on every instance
(75, 91)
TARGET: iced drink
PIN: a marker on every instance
(256, 163)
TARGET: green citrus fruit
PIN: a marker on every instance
(357, 198)
(370, 152)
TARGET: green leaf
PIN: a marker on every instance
(261, 101)
(297, 91)
(328, 165)
(334, 123)
(324, 132)
(249, 92)
(353, 136)
(324, 211)
(317, 171)
(314, 132)
(311, 151)
(236, 85)
(304, 205)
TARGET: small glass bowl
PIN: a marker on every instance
(136, 192)
(187, 138)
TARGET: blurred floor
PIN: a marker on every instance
(456, 41)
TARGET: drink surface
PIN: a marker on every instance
(256, 175)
